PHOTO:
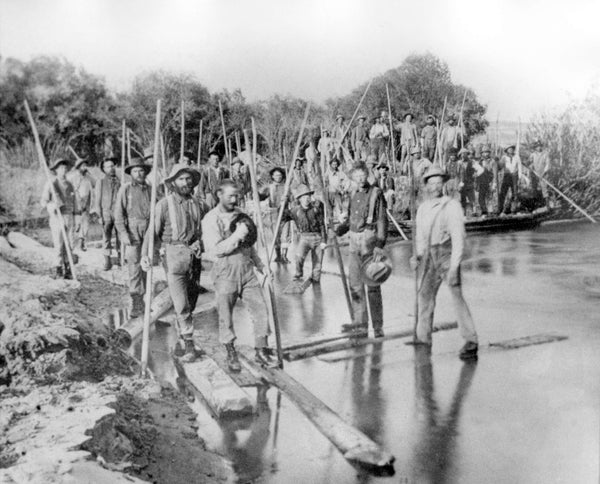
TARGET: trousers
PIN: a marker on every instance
(59, 242)
(309, 242)
(227, 294)
(435, 269)
(509, 182)
(133, 253)
(81, 226)
(183, 270)
(108, 227)
(361, 247)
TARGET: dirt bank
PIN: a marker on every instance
(72, 405)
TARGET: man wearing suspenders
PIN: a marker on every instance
(178, 230)
(440, 241)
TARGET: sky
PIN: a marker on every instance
(521, 57)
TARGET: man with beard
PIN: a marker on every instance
(105, 199)
(440, 243)
(177, 228)
(229, 237)
(66, 205)
(366, 220)
(132, 214)
(83, 184)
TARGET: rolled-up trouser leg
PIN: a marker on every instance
(463, 314)
(256, 304)
(136, 274)
(430, 284)
(359, 306)
(316, 257)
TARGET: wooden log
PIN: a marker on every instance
(355, 446)
(5, 245)
(22, 241)
(218, 390)
(332, 346)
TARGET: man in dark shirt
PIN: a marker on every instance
(309, 217)
(467, 181)
(367, 222)
(106, 197)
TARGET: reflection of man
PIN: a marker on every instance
(440, 241)
(434, 451)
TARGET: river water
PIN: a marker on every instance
(526, 415)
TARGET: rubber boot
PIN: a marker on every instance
(284, 258)
(107, 263)
(137, 306)
(233, 362)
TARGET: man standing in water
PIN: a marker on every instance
(440, 242)
(229, 236)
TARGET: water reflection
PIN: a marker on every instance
(437, 433)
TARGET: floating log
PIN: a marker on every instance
(297, 287)
(348, 343)
(355, 446)
(534, 339)
(224, 397)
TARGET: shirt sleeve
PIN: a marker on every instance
(420, 238)
(456, 227)
(382, 221)
(121, 211)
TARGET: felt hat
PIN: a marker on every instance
(383, 165)
(279, 169)
(237, 161)
(112, 159)
(339, 116)
(60, 161)
(486, 149)
(376, 273)
(408, 113)
(361, 116)
(414, 150)
(435, 171)
(334, 160)
(299, 158)
(180, 168)
(302, 190)
(138, 163)
(509, 147)
(148, 153)
(252, 235)
(430, 116)
(79, 162)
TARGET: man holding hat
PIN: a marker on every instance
(440, 242)
(229, 236)
(66, 205)
(309, 217)
(132, 214)
(83, 184)
(366, 220)
(276, 191)
(429, 138)
(359, 139)
(177, 228)
(105, 200)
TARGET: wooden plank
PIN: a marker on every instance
(330, 347)
(354, 445)
(220, 392)
(535, 339)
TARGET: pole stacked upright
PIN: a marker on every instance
(199, 160)
(182, 141)
(146, 330)
(123, 158)
(393, 157)
(44, 164)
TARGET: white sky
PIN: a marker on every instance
(520, 56)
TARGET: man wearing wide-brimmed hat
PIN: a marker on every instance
(66, 205)
(386, 183)
(408, 136)
(440, 242)
(309, 217)
(83, 184)
(132, 214)
(510, 181)
(539, 162)
(275, 194)
(229, 236)
(178, 230)
(429, 138)
(337, 185)
(359, 140)
(378, 138)
(485, 178)
(105, 200)
(337, 132)
(449, 137)
(466, 177)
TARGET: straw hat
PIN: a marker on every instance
(180, 168)
(415, 150)
(302, 190)
(509, 147)
(376, 273)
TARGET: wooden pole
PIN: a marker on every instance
(128, 148)
(200, 144)
(413, 217)
(163, 154)
(440, 126)
(398, 228)
(462, 122)
(354, 115)
(150, 254)
(238, 144)
(393, 157)
(288, 183)
(44, 164)
(224, 135)
(261, 230)
(182, 142)
(123, 156)
(571, 202)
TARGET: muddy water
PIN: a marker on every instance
(515, 416)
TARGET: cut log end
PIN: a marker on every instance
(370, 457)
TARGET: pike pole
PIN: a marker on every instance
(227, 154)
(43, 162)
(146, 330)
(393, 157)
(413, 217)
(199, 144)
(182, 142)
(261, 230)
(123, 155)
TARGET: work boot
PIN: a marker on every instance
(58, 273)
(352, 328)
(278, 256)
(378, 333)
(107, 263)
(263, 357)
(137, 306)
(468, 351)
(233, 362)
(190, 354)
(67, 271)
(284, 258)
(82, 245)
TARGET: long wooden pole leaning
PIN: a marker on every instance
(438, 151)
(571, 202)
(261, 230)
(146, 330)
(462, 121)
(199, 160)
(288, 183)
(393, 157)
(413, 217)
(396, 224)
(43, 162)
(227, 154)
(182, 142)
(123, 158)
(128, 147)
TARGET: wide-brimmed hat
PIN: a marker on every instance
(279, 169)
(376, 273)
(339, 116)
(302, 190)
(414, 150)
(334, 160)
(138, 163)
(408, 113)
(509, 147)
(382, 165)
(435, 171)
(112, 159)
(180, 168)
(252, 235)
(537, 143)
(79, 162)
(60, 161)
(300, 159)
(237, 161)
(361, 116)
(430, 116)
(148, 153)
